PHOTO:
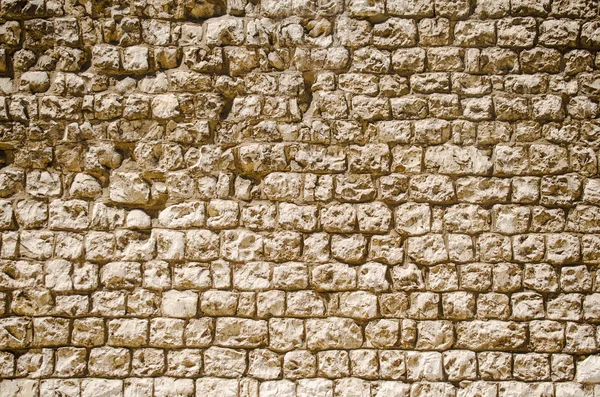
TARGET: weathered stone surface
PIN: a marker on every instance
(587, 370)
(299, 198)
(233, 332)
(213, 387)
(179, 304)
(241, 245)
(109, 361)
(455, 160)
(129, 188)
(333, 333)
(490, 335)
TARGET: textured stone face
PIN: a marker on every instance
(300, 198)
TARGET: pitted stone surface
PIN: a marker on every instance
(299, 198)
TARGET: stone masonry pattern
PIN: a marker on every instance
(299, 198)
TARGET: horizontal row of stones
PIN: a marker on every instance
(142, 59)
(399, 193)
(372, 301)
(454, 95)
(316, 387)
(135, 187)
(131, 97)
(195, 200)
(15, 9)
(241, 245)
(326, 104)
(452, 365)
(376, 217)
(287, 343)
(195, 138)
(392, 32)
(60, 275)
(360, 305)
(241, 61)
(541, 63)
(207, 166)
(402, 148)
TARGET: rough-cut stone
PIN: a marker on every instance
(333, 333)
(587, 370)
(129, 188)
(179, 304)
(241, 245)
(232, 332)
(491, 335)
(223, 362)
(299, 198)
(213, 387)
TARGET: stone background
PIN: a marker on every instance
(309, 198)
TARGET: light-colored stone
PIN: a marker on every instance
(587, 370)
(179, 304)
(299, 198)
(333, 333)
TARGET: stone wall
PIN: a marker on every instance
(299, 198)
